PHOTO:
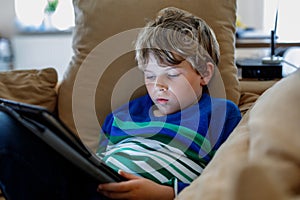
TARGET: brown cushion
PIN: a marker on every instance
(30, 86)
(102, 74)
(250, 92)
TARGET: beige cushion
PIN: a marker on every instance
(274, 134)
(252, 182)
(103, 75)
(30, 86)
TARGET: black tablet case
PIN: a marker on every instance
(53, 132)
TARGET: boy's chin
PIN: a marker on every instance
(160, 112)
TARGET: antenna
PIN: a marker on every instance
(273, 59)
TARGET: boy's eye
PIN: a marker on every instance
(173, 75)
(149, 76)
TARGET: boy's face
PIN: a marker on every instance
(172, 88)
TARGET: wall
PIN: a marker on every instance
(251, 12)
(40, 51)
(37, 51)
(7, 28)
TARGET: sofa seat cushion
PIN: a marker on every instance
(37, 87)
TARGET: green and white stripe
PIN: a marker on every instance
(151, 159)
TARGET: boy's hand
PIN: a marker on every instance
(136, 188)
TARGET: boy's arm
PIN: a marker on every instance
(104, 134)
(181, 186)
(177, 185)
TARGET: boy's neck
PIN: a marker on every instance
(157, 113)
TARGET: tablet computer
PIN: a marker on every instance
(55, 133)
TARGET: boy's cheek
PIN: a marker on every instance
(149, 87)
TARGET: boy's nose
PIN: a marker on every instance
(160, 85)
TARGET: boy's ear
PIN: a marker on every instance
(208, 74)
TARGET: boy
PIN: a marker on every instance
(164, 136)
(160, 142)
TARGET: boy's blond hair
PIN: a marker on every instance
(176, 35)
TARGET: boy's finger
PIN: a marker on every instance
(128, 175)
(113, 187)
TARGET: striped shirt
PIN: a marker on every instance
(173, 147)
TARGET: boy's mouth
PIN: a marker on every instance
(162, 100)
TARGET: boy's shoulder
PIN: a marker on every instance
(222, 104)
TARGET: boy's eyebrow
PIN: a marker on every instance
(145, 70)
(167, 67)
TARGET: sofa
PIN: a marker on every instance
(260, 159)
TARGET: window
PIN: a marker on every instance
(260, 15)
(288, 16)
(44, 15)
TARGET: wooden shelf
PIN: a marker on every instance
(264, 43)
